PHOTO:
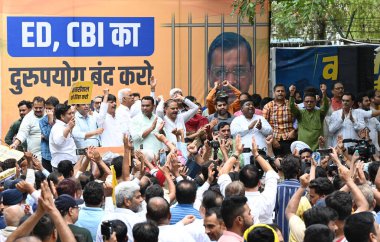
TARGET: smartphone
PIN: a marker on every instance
(325, 152)
(81, 151)
(141, 147)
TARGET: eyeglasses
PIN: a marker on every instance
(220, 72)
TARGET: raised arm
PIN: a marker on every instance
(292, 207)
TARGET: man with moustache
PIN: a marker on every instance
(113, 134)
(30, 128)
(24, 108)
(86, 132)
(221, 114)
(249, 124)
(279, 116)
(214, 225)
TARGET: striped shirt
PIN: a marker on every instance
(280, 118)
(181, 210)
(285, 192)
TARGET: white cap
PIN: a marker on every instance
(174, 91)
(299, 145)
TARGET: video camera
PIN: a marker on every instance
(364, 147)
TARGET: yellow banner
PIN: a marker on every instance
(80, 93)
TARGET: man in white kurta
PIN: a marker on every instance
(249, 124)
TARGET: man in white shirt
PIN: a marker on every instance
(86, 132)
(113, 134)
(347, 121)
(158, 211)
(145, 125)
(30, 128)
(173, 118)
(248, 125)
(128, 107)
(61, 141)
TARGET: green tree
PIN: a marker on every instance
(317, 19)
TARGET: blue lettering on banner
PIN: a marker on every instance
(80, 36)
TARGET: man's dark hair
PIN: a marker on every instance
(278, 85)
(337, 82)
(211, 199)
(66, 186)
(371, 93)
(85, 178)
(319, 215)
(361, 96)
(44, 228)
(291, 166)
(186, 191)
(264, 102)
(221, 99)
(341, 202)
(117, 163)
(157, 209)
(38, 99)
(148, 98)
(222, 124)
(39, 178)
(232, 207)
(146, 231)
(53, 101)
(26, 103)
(358, 227)
(349, 94)
(228, 41)
(261, 234)
(93, 193)
(66, 168)
(191, 98)
(136, 94)
(322, 186)
(120, 229)
(54, 177)
(256, 98)
(373, 167)
(154, 190)
(309, 94)
(244, 101)
(320, 172)
(61, 109)
(249, 176)
(8, 164)
(216, 211)
(111, 98)
(305, 150)
(312, 90)
(318, 233)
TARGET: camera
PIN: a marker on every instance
(364, 147)
(214, 144)
(106, 229)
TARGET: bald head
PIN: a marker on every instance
(28, 239)
(13, 215)
(158, 210)
(235, 188)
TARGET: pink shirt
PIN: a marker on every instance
(257, 112)
(230, 237)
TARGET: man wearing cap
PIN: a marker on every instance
(68, 207)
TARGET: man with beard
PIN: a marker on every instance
(220, 88)
(112, 135)
(173, 119)
(214, 224)
(24, 108)
(349, 122)
(221, 106)
(310, 120)
(249, 124)
(145, 125)
(237, 218)
(335, 104)
(30, 128)
(128, 206)
(279, 116)
(372, 124)
(86, 132)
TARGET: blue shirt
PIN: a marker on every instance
(181, 210)
(285, 191)
(90, 218)
(82, 126)
(45, 131)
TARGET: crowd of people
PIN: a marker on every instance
(301, 166)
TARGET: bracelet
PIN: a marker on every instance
(257, 156)
(235, 156)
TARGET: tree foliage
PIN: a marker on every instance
(318, 19)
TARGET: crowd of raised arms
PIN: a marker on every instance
(301, 166)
